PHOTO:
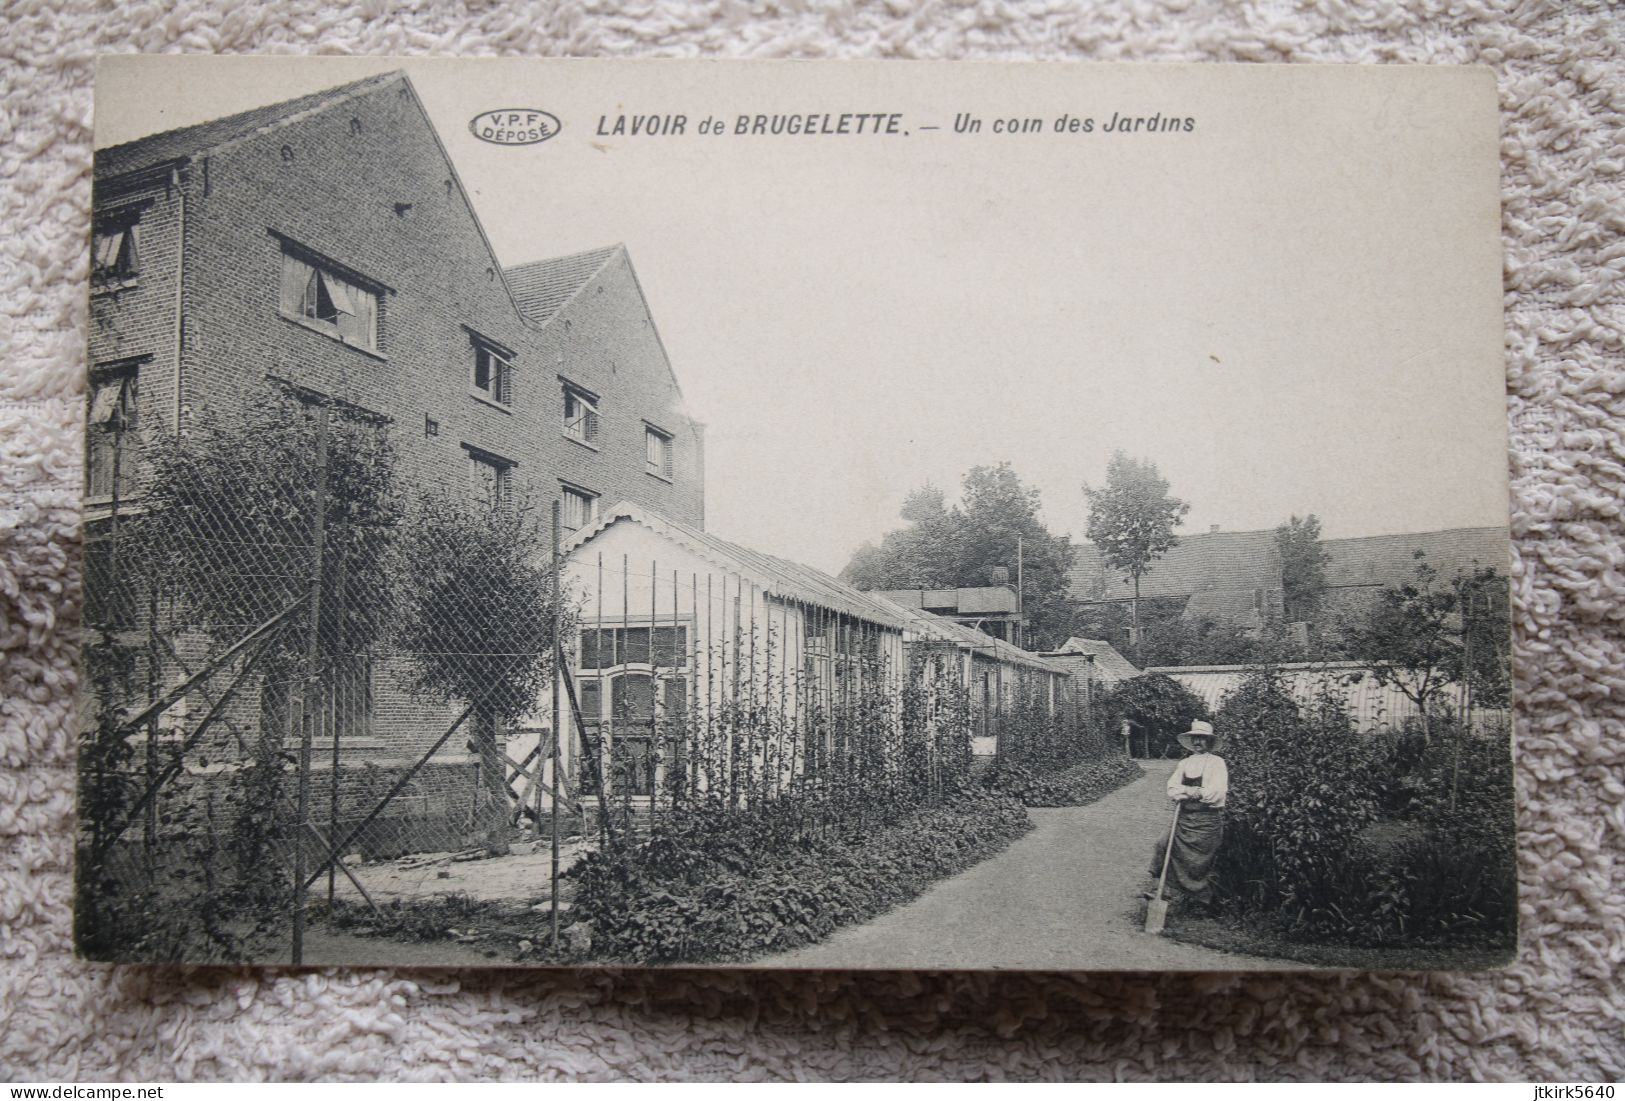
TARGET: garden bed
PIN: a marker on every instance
(717, 894)
(1076, 786)
(720, 888)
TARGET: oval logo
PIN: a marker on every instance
(514, 126)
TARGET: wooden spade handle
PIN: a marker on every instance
(1168, 853)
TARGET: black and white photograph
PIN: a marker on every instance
(803, 515)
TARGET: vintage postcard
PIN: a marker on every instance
(795, 515)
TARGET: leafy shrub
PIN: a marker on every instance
(1357, 839)
(1159, 707)
(710, 889)
(1075, 787)
(1301, 792)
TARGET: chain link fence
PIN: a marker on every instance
(289, 661)
(300, 664)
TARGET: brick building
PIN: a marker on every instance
(326, 245)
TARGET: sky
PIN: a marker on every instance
(1292, 307)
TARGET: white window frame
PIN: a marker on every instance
(500, 471)
(499, 373)
(663, 678)
(658, 464)
(569, 493)
(584, 426)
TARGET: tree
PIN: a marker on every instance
(924, 555)
(1303, 567)
(949, 547)
(1132, 520)
(476, 619)
(1176, 640)
(1418, 639)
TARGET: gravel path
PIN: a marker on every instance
(1066, 897)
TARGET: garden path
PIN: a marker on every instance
(1066, 897)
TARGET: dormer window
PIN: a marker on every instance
(580, 415)
(324, 298)
(492, 377)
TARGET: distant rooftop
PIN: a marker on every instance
(1112, 665)
(1216, 561)
(543, 287)
(979, 600)
(938, 628)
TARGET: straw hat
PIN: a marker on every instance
(1199, 729)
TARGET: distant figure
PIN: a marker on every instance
(1198, 786)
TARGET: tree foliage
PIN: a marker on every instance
(947, 546)
(1132, 517)
(476, 611)
(1300, 793)
(228, 522)
(1425, 634)
(1303, 567)
(1159, 707)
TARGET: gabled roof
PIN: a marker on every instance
(1382, 560)
(1242, 607)
(928, 626)
(190, 141)
(1113, 666)
(543, 287)
(1243, 561)
(778, 576)
(1204, 560)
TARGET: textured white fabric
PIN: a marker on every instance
(1554, 1016)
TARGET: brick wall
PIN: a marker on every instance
(364, 184)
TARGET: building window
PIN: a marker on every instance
(493, 372)
(623, 714)
(323, 298)
(490, 480)
(657, 452)
(580, 415)
(580, 508)
(351, 688)
(114, 249)
(109, 458)
(609, 647)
